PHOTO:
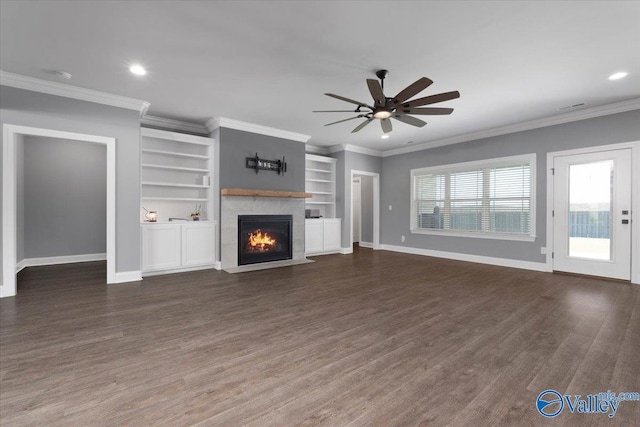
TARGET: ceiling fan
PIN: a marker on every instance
(399, 107)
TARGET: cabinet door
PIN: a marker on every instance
(332, 234)
(160, 246)
(313, 232)
(198, 244)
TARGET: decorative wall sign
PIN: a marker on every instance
(258, 164)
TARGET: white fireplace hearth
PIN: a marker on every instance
(235, 202)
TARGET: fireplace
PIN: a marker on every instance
(264, 238)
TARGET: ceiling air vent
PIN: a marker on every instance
(569, 107)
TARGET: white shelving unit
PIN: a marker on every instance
(320, 181)
(322, 235)
(176, 171)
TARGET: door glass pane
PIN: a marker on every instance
(590, 189)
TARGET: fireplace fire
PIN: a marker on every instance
(264, 238)
(261, 242)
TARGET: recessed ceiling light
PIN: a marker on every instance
(385, 136)
(617, 76)
(138, 70)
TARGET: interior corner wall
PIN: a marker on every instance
(26, 108)
(349, 161)
(215, 190)
(396, 182)
(237, 145)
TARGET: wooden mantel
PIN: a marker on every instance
(264, 193)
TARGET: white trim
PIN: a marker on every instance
(635, 199)
(74, 92)
(475, 164)
(355, 149)
(127, 276)
(174, 125)
(223, 122)
(214, 266)
(588, 113)
(346, 251)
(376, 205)
(54, 260)
(502, 262)
(314, 149)
(21, 266)
(366, 244)
(474, 234)
(11, 134)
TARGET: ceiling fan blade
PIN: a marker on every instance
(342, 98)
(426, 111)
(336, 111)
(412, 90)
(386, 125)
(363, 124)
(413, 121)
(433, 99)
(340, 121)
(376, 91)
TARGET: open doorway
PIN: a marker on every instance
(13, 207)
(364, 221)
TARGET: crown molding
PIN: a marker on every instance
(223, 122)
(314, 149)
(174, 125)
(68, 91)
(355, 149)
(574, 116)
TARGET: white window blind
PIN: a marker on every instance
(492, 197)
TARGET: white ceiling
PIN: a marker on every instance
(270, 62)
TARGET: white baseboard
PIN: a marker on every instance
(366, 244)
(127, 276)
(346, 251)
(503, 262)
(214, 266)
(53, 260)
(335, 251)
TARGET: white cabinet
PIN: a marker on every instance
(332, 234)
(174, 247)
(160, 246)
(323, 235)
(198, 246)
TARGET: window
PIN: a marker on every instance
(489, 198)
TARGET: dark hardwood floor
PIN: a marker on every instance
(373, 338)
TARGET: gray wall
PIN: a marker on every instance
(349, 161)
(65, 197)
(366, 208)
(236, 146)
(26, 108)
(396, 191)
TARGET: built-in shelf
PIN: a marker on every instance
(177, 171)
(176, 199)
(263, 193)
(172, 184)
(175, 154)
(177, 168)
(320, 181)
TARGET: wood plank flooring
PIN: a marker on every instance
(371, 339)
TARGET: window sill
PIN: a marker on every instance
(475, 235)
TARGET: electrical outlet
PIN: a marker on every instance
(390, 207)
(543, 250)
(402, 239)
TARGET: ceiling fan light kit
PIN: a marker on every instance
(399, 107)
